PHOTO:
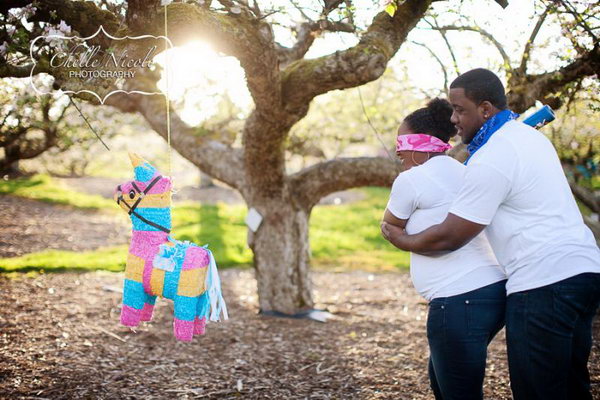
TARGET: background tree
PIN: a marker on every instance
(50, 129)
(282, 82)
(576, 135)
(27, 128)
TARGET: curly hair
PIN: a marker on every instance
(433, 119)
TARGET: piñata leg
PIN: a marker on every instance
(149, 301)
(133, 302)
(185, 312)
(201, 314)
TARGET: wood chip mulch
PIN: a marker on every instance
(60, 339)
(29, 226)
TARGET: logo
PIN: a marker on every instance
(77, 59)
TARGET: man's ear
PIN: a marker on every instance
(487, 109)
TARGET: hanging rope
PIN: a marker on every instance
(373, 126)
(167, 103)
(87, 122)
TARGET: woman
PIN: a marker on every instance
(465, 288)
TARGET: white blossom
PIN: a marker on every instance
(54, 34)
(15, 14)
(29, 10)
(23, 13)
(64, 28)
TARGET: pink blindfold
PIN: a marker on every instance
(421, 142)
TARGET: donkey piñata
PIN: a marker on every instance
(158, 265)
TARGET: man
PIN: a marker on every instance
(516, 190)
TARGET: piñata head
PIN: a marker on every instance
(149, 193)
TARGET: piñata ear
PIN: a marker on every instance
(142, 169)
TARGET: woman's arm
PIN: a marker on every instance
(393, 220)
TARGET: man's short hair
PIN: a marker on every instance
(480, 85)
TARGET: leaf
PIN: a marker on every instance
(391, 8)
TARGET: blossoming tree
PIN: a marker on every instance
(282, 82)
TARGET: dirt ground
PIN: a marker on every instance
(60, 336)
(60, 339)
(28, 226)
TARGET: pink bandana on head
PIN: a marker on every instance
(421, 142)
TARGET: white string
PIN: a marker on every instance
(168, 104)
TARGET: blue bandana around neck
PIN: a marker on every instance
(488, 129)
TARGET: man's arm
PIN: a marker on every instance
(484, 189)
(450, 235)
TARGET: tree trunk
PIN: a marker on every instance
(9, 168)
(9, 165)
(282, 257)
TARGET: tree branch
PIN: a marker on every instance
(71, 12)
(307, 33)
(534, 33)
(315, 182)
(436, 26)
(198, 145)
(525, 90)
(305, 38)
(243, 37)
(305, 79)
(439, 61)
(8, 70)
(139, 12)
(578, 19)
(484, 33)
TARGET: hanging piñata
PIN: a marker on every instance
(158, 265)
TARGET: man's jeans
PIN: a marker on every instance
(459, 329)
(549, 338)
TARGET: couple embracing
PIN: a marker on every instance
(497, 242)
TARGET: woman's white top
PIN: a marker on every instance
(423, 195)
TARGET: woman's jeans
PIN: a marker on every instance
(549, 338)
(459, 329)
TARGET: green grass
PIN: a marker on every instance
(220, 226)
(44, 188)
(348, 236)
(342, 236)
(109, 259)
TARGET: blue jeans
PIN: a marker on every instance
(459, 329)
(549, 338)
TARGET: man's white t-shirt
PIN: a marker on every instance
(423, 195)
(515, 184)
